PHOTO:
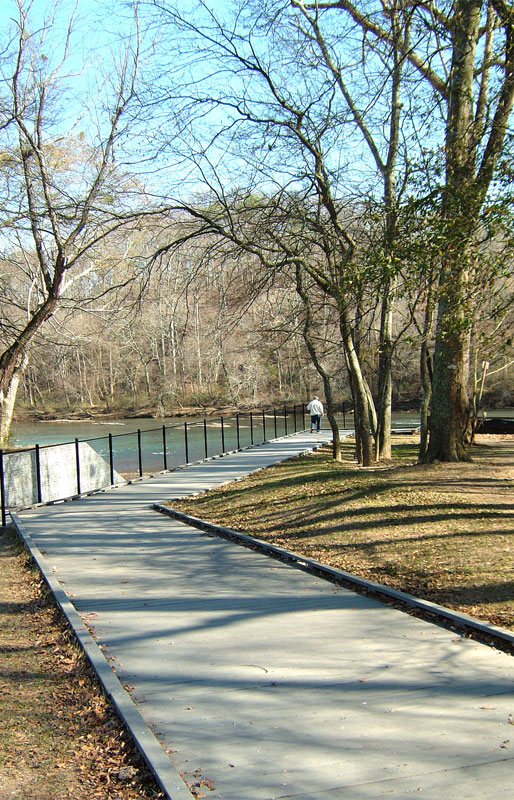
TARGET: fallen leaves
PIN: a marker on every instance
(197, 783)
(60, 736)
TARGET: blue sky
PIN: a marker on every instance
(101, 30)
(88, 79)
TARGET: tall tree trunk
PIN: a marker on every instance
(385, 381)
(361, 411)
(449, 417)
(8, 398)
(400, 32)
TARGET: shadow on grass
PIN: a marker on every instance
(370, 545)
(366, 485)
(485, 595)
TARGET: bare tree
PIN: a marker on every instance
(282, 135)
(62, 193)
(381, 71)
(464, 52)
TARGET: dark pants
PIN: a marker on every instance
(315, 421)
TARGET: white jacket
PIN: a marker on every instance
(315, 407)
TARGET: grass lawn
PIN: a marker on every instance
(443, 532)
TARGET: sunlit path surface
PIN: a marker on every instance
(262, 681)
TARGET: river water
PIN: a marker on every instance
(162, 443)
(174, 446)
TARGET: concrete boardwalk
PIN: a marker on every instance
(264, 682)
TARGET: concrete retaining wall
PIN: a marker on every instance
(58, 468)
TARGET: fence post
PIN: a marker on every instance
(285, 420)
(237, 428)
(264, 426)
(165, 456)
(2, 488)
(38, 476)
(77, 461)
(275, 420)
(205, 438)
(251, 428)
(186, 445)
(303, 416)
(294, 413)
(344, 415)
(222, 436)
(111, 459)
(139, 453)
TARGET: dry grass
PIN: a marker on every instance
(444, 532)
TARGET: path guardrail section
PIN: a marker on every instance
(51, 473)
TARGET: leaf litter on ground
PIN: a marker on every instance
(61, 738)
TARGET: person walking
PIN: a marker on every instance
(315, 409)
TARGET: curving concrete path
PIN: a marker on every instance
(257, 681)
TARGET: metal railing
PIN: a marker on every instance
(52, 473)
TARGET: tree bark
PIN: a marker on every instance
(325, 377)
(449, 417)
(449, 414)
(361, 412)
(8, 398)
(385, 381)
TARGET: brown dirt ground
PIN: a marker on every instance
(61, 739)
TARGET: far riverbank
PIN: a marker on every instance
(33, 416)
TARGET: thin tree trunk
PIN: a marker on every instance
(8, 399)
(111, 375)
(198, 344)
(449, 417)
(325, 377)
(385, 382)
(426, 374)
(362, 420)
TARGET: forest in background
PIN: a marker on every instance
(202, 335)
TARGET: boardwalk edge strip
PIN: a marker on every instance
(148, 745)
(459, 620)
(130, 481)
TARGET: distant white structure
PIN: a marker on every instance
(58, 470)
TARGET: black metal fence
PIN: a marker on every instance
(51, 473)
